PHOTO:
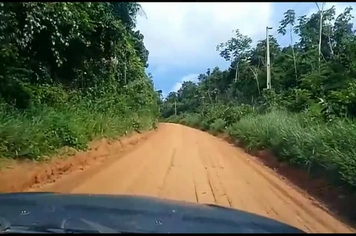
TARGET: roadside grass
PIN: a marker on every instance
(41, 131)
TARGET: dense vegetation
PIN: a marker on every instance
(307, 118)
(69, 73)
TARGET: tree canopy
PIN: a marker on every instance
(299, 81)
(86, 47)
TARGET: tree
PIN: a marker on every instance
(299, 87)
(235, 49)
(321, 13)
(289, 20)
(89, 47)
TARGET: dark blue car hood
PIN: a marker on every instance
(123, 213)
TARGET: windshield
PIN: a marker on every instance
(226, 106)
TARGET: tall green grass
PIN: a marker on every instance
(42, 130)
(323, 149)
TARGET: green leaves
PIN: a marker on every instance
(77, 69)
(235, 47)
(289, 19)
(77, 45)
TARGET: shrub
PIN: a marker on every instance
(217, 126)
(192, 120)
(41, 131)
(320, 148)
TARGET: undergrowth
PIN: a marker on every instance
(42, 130)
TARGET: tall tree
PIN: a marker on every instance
(321, 13)
(289, 20)
(235, 49)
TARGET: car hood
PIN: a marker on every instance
(124, 213)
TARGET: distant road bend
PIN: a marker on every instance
(182, 163)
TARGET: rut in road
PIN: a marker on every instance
(182, 163)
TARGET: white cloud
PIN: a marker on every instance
(180, 35)
(176, 86)
(190, 77)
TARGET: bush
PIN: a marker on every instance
(217, 126)
(320, 148)
(175, 119)
(41, 131)
(192, 120)
(212, 117)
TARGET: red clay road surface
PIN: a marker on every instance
(182, 163)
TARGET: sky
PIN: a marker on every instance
(182, 37)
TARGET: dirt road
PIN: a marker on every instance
(182, 163)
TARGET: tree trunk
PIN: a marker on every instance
(294, 59)
(256, 78)
(236, 72)
(331, 47)
(320, 30)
